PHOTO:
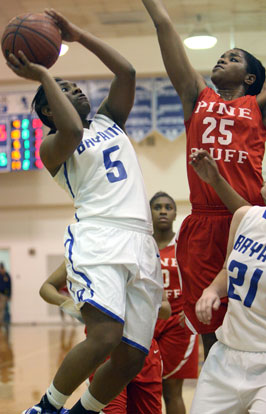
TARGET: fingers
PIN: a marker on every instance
(56, 16)
(204, 312)
(198, 155)
(21, 60)
(205, 307)
(13, 60)
(23, 67)
(51, 12)
(14, 63)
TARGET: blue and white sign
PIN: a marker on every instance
(140, 122)
(168, 109)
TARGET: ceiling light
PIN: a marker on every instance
(200, 38)
(63, 50)
(200, 41)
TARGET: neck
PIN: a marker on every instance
(163, 237)
(230, 94)
(86, 123)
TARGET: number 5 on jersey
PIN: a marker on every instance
(120, 172)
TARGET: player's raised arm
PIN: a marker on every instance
(186, 81)
(121, 95)
(56, 148)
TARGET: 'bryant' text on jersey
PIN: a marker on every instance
(225, 127)
(244, 245)
(105, 135)
(169, 262)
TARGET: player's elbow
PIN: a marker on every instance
(163, 23)
(78, 133)
(74, 134)
(41, 292)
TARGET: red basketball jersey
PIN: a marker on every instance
(233, 133)
(170, 278)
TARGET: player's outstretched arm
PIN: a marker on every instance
(206, 168)
(210, 298)
(49, 291)
(122, 92)
(186, 81)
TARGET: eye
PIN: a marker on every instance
(233, 59)
(64, 89)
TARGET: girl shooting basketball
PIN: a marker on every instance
(113, 265)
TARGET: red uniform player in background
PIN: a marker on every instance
(179, 349)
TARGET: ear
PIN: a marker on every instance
(250, 79)
(46, 110)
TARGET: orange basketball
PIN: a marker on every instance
(36, 35)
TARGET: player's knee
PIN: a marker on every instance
(172, 389)
(132, 365)
(105, 342)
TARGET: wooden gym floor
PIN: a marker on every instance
(29, 357)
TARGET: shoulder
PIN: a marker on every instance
(208, 92)
(241, 212)
(238, 216)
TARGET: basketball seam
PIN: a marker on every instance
(27, 44)
(40, 34)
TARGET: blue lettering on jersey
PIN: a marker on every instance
(237, 272)
(244, 244)
(107, 134)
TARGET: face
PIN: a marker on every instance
(230, 70)
(163, 213)
(76, 97)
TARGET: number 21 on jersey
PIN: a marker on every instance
(241, 270)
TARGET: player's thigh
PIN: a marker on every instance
(216, 391)
(144, 295)
(259, 405)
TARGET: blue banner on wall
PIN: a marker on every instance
(169, 117)
(140, 122)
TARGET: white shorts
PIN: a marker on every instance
(231, 382)
(119, 272)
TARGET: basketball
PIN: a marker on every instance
(36, 35)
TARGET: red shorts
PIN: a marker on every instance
(201, 252)
(179, 350)
(143, 395)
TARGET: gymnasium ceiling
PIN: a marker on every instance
(122, 18)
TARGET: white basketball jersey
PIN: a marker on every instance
(244, 325)
(103, 176)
